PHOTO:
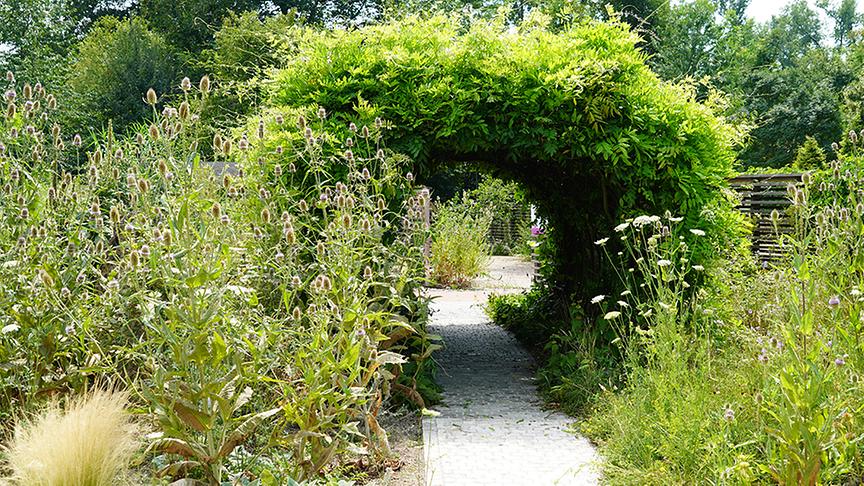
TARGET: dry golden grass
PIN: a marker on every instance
(90, 443)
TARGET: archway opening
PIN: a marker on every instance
(573, 115)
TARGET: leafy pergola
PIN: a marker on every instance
(576, 116)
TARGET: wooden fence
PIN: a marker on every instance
(760, 195)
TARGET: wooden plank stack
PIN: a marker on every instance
(760, 195)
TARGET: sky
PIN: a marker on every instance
(763, 10)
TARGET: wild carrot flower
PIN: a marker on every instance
(597, 299)
(612, 315)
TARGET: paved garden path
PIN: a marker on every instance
(492, 429)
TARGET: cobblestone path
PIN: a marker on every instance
(492, 429)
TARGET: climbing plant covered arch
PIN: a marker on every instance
(575, 115)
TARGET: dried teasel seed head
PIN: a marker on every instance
(204, 84)
(27, 91)
(226, 181)
(243, 144)
(853, 136)
(260, 129)
(154, 132)
(216, 210)
(322, 113)
(217, 142)
(265, 215)
(410, 177)
(381, 205)
(320, 248)
(303, 205)
(307, 134)
(365, 174)
(296, 314)
(225, 220)
(52, 193)
(292, 168)
(11, 110)
(185, 84)
(380, 154)
(145, 251)
(134, 258)
(364, 132)
(162, 167)
(346, 221)
(365, 225)
(166, 236)
(52, 102)
(114, 214)
(226, 147)
(55, 131)
(349, 155)
(143, 186)
(184, 111)
(835, 147)
(289, 234)
(367, 272)
(806, 179)
(301, 122)
(151, 97)
(349, 142)
(10, 77)
(277, 170)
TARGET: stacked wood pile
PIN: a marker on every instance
(760, 195)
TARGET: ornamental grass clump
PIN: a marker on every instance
(89, 442)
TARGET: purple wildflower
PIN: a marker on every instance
(536, 231)
(834, 301)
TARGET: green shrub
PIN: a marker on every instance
(111, 71)
(810, 156)
(460, 249)
(510, 226)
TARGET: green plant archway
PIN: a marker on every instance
(576, 116)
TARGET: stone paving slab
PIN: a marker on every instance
(492, 429)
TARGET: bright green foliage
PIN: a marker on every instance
(114, 67)
(810, 156)
(511, 226)
(460, 246)
(576, 117)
